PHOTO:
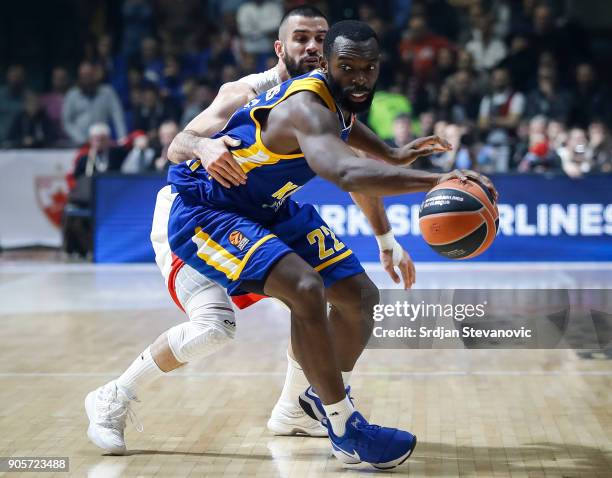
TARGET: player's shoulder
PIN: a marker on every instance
(307, 111)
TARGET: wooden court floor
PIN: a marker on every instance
(66, 330)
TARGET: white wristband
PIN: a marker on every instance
(386, 241)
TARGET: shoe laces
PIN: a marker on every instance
(115, 410)
(369, 430)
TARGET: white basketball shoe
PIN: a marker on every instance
(107, 408)
(286, 420)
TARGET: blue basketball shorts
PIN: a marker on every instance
(229, 248)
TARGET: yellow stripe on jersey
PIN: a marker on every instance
(214, 254)
(194, 164)
(258, 154)
(218, 257)
(333, 260)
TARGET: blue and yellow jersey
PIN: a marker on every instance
(271, 177)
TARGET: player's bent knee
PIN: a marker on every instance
(208, 330)
(309, 290)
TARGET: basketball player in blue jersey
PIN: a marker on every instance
(211, 317)
(254, 238)
(299, 49)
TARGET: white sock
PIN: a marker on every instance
(142, 371)
(338, 414)
(295, 383)
(346, 377)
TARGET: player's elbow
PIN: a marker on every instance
(175, 154)
(346, 179)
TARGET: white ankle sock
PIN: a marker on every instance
(295, 383)
(142, 371)
(338, 414)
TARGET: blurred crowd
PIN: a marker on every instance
(511, 84)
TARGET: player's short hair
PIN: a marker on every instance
(351, 29)
(302, 11)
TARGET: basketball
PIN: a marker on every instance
(458, 219)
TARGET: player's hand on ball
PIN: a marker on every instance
(422, 147)
(465, 174)
(404, 264)
(219, 162)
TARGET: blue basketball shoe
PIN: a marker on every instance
(381, 447)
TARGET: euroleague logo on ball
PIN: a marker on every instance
(237, 239)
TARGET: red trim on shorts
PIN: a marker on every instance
(177, 263)
(246, 300)
(240, 301)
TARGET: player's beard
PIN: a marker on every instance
(297, 68)
(341, 95)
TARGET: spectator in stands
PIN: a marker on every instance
(199, 97)
(167, 131)
(459, 157)
(31, 128)
(171, 82)
(485, 47)
(591, 100)
(112, 67)
(479, 80)
(403, 134)
(12, 96)
(140, 158)
(574, 156)
(600, 147)
(53, 101)
(502, 108)
(258, 24)
(179, 24)
(446, 64)
(101, 156)
(556, 132)
(537, 155)
(566, 40)
(152, 111)
(494, 156)
(419, 49)
(137, 18)
(402, 130)
(426, 123)
(540, 158)
(521, 61)
(88, 103)
(548, 99)
(150, 60)
(465, 100)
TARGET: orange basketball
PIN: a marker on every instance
(459, 220)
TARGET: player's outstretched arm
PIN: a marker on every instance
(317, 132)
(365, 139)
(193, 141)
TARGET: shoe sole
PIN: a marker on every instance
(348, 460)
(283, 429)
(90, 403)
(398, 461)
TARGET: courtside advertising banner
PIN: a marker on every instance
(552, 219)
